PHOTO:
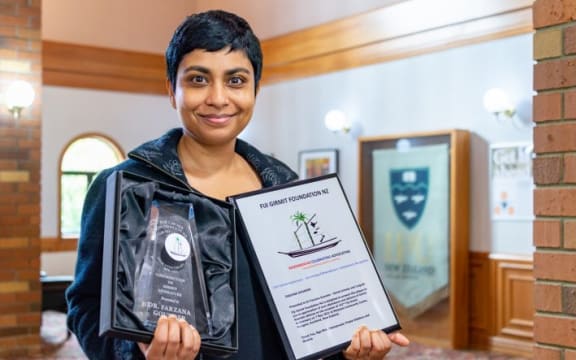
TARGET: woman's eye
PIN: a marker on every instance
(198, 79)
(236, 81)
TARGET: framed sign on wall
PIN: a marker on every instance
(317, 162)
(413, 210)
(511, 181)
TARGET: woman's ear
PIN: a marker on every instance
(170, 93)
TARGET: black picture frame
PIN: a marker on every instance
(268, 259)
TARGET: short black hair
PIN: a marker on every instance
(213, 30)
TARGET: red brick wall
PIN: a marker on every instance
(20, 295)
(555, 178)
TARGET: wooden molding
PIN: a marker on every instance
(459, 233)
(91, 67)
(512, 346)
(501, 303)
(514, 313)
(481, 298)
(54, 244)
(384, 35)
(373, 37)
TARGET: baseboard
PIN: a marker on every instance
(517, 347)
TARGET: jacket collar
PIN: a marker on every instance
(162, 154)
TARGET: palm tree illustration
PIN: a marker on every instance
(300, 217)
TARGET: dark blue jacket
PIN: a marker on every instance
(158, 160)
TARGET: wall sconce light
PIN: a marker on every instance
(338, 122)
(498, 103)
(18, 96)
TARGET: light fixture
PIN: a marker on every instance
(498, 103)
(18, 96)
(338, 122)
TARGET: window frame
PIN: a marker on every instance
(69, 242)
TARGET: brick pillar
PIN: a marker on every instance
(20, 295)
(555, 178)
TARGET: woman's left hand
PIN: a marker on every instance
(372, 344)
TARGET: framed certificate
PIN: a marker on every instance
(315, 267)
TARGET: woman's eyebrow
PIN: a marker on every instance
(198, 68)
(238, 70)
(205, 70)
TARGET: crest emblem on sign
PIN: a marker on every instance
(409, 188)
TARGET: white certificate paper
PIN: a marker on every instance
(315, 265)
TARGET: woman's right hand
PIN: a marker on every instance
(174, 339)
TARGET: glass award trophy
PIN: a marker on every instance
(169, 279)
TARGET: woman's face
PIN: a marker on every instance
(214, 95)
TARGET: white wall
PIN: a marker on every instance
(432, 92)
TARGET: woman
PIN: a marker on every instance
(214, 63)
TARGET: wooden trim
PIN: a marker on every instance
(92, 67)
(459, 236)
(52, 244)
(384, 35)
(501, 309)
(481, 300)
(512, 346)
(369, 38)
(514, 313)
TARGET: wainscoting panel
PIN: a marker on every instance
(501, 303)
(514, 286)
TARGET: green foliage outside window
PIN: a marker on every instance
(81, 162)
(74, 189)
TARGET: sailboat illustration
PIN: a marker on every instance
(308, 236)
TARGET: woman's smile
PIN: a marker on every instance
(216, 118)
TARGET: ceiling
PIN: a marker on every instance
(147, 25)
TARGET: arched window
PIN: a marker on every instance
(81, 161)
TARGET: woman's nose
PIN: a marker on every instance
(217, 95)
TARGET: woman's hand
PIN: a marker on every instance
(174, 339)
(372, 344)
